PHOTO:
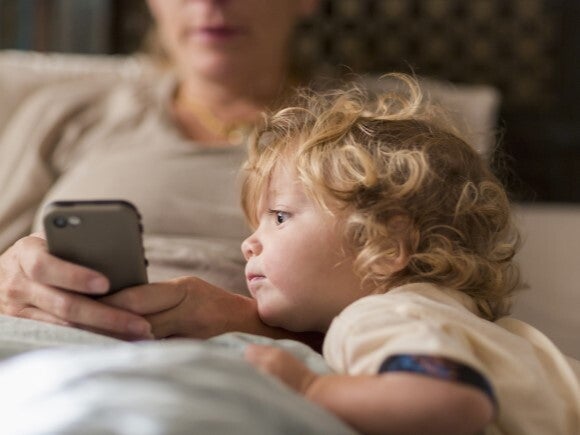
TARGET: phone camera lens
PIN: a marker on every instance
(60, 221)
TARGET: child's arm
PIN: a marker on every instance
(386, 403)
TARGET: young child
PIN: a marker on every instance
(377, 224)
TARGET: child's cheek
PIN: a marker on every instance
(278, 272)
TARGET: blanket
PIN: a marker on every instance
(59, 380)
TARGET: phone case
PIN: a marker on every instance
(102, 235)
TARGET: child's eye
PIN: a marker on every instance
(279, 216)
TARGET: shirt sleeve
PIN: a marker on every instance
(25, 173)
(416, 319)
(443, 369)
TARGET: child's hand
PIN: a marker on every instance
(283, 365)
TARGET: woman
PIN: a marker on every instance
(171, 146)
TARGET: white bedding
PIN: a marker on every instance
(57, 380)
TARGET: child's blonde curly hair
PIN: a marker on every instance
(404, 178)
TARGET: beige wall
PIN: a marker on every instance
(550, 262)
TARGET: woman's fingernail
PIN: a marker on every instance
(141, 329)
(98, 285)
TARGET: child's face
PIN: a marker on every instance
(297, 269)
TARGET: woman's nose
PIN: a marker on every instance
(251, 246)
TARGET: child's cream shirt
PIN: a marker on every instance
(535, 386)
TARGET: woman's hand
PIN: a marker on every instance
(281, 364)
(189, 307)
(32, 283)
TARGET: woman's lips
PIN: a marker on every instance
(216, 33)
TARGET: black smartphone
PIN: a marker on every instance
(104, 235)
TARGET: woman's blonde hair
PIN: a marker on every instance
(405, 180)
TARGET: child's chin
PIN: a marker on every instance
(277, 319)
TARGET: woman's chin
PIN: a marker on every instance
(215, 67)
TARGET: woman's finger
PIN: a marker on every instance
(34, 313)
(87, 313)
(39, 265)
(148, 298)
(165, 324)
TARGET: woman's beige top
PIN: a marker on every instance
(535, 386)
(94, 139)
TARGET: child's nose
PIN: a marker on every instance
(251, 246)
